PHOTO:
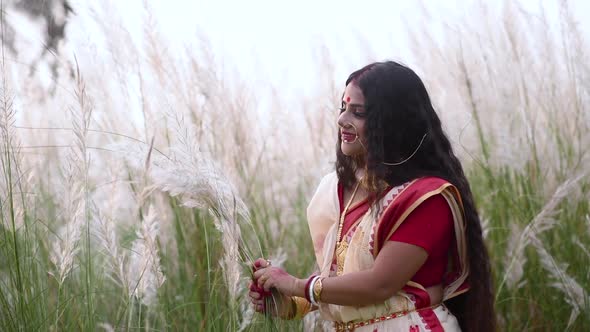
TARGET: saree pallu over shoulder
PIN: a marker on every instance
(374, 228)
(395, 213)
(323, 212)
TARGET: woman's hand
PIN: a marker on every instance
(279, 304)
(276, 305)
(257, 294)
(268, 277)
(257, 298)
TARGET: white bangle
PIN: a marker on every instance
(310, 290)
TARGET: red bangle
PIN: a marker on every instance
(305, 291)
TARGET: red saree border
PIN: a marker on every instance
(407, 201)
(410, 195)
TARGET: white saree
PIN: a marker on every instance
(363, 245)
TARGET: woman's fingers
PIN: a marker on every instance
(261, 263)
(264, 283)
(254, 287)
(259, 273)
(268, 284)
(257, 292)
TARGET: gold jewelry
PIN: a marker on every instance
(353, 325)
(341, 245)
(303, 307)
(267, 262)
(317, 289)
(299, 308)
(292, 309)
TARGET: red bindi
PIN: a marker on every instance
(348, 99)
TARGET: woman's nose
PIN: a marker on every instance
(343, 120)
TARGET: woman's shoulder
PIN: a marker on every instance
(328, 182)
(324, 202)
(416, 190)
(431, 182)
(330, 177)
(327, 185)
(426, 185)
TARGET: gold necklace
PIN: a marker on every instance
(341, 245)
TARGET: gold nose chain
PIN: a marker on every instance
(341, 245)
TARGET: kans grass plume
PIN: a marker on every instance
(185, 172)
(144, 274)
(542, 222)
(65, 248)
(12, 181)
(575, 295)
(116, 261)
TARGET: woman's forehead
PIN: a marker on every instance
(353, 94)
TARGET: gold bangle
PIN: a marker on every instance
(303, 307)
(317, 290)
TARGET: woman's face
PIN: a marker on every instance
(352, 121)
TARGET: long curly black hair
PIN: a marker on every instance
(398, 115)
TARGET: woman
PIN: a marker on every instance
(395, 230)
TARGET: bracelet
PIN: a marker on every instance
(302, 307)
(317, 290)
(306, 289)
(310, 291)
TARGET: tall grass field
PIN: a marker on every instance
(138, 184)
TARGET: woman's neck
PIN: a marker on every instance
(359, 174)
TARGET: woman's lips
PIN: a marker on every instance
(348, 137)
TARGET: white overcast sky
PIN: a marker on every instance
(276, 40)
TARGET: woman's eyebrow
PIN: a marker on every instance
(353, 105)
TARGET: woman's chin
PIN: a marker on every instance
(349, 150)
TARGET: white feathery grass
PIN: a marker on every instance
(184, 171)
(107, 327)
(279, 257)
(212, 188)
(144, 272)
(582, 246)
(230, 263)
(200, 184)
(65, 247)
(10, 159)
(485, 226)
(575, 295)
(107, 237)
(248, 312)
(542, 222)
(514, 275)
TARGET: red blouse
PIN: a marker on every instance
(429, 226)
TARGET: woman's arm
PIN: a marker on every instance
(394, 266)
